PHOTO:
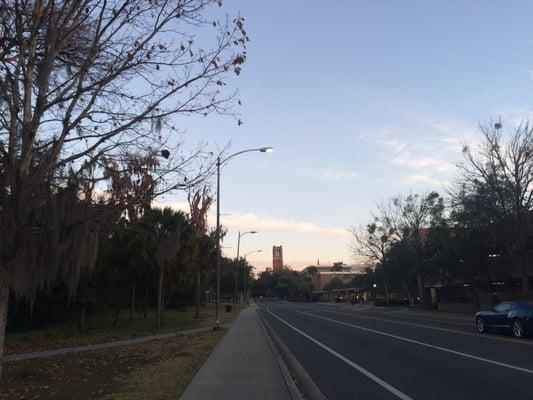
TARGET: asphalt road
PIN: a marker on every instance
(370, 353)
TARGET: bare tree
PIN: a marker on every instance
(87, 88)
(372, 243)
(500, 174)
(401, 220)
(415, 214)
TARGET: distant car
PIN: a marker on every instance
(516, 316)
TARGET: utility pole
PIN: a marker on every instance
(217, 305)
(237, 272)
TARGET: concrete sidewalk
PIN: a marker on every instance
(242, 366)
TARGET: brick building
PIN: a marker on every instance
(322, 275)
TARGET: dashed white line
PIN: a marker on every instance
(362, 370)
(529, 371)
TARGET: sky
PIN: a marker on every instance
(362, 100)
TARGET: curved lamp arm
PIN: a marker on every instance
(251, 252)
(261, 149)
(248, 232)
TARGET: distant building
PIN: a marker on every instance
(277, 258)
(322, 275)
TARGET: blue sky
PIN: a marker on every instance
(361, 100)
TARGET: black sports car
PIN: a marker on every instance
(516, 316)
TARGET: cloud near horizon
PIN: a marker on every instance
(245, 221)
(252, 221)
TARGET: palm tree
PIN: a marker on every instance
(166, 229)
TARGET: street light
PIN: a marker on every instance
(237, 264)
(219, 164)
(251, 252)
(244, 289)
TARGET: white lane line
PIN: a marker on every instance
(401, 316)
(362, 370)
(529, 371)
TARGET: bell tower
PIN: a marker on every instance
(277, 258)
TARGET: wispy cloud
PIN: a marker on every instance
(432, 163)
(445, 127)
(513, 115)
(428, 154)
(249, 221)
(253, 221)
(329, 174)
(424, 179)
(403, 155)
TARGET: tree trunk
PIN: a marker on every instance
(524, 277)
(198, 282)
(145, 310)
(164, 301)
(420, 283)
(405, 288)
(81, 325)
(386, 293)
(4, 301)
(115, 319)
(386, 286)
(132, 309)
(159, 299)
(444, 297)
(477, 305)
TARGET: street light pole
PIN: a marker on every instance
(237, 265)
(217, 305)
(244, 289)
(237, 271)
(219, 164)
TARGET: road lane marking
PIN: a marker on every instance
(436, 328)
(401, 315)
(432, 317)
(445, 349)
(419, 318)
(362, 370)
(396, 321)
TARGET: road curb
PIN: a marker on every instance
(301, 386)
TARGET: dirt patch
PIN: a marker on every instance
(160, 369)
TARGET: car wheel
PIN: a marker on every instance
(518, 329)
(480, 325)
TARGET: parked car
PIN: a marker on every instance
(516, 316)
